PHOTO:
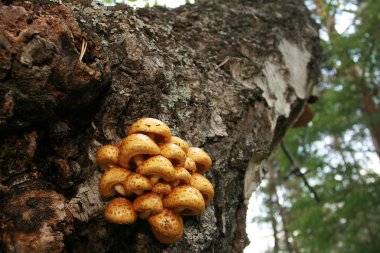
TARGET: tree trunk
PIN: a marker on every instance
(229, 77)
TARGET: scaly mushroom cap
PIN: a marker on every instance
(201, 159)
(107, 156)
(162, 188)
(185, 200)
(166, 226)
(136, 145)
(137, 184)
(120, 142)
(154, 128)
(111, 181)
(179, 142)
(147, 204)
(174, 153)
(190, 165)
(157, 167)
(203, 185)
(181, 176)
(120, 211)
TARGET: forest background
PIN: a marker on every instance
(322, 192)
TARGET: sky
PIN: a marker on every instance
(260, 235)
(142, 3)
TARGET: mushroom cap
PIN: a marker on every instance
(166, 226)
(110, 178)
(120, 142)
(174, 153)
(201, 159)
(203, 185)
(190, 165)
(182, 175)
(185, 200)
(162, 188)
(157, 166)
(137, 184)
(179, 142)
(120, 211)
(107, 155)
(152, 127)
(134, 145)
(147, 204)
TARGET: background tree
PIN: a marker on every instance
(334, 153)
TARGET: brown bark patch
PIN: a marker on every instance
(40, 69)
(39, 225)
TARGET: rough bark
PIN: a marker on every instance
(229, 77)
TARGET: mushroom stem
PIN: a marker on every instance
(178, 209)
(105, 166)
(201, 167)
(175, 183)
(138, 160)
(138, 192)
(154, 179)
(206, 197)
(145, 214)
(120, 189)
(151, 135)
(183, 211)
(175, 161)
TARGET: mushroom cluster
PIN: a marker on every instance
(155, 176)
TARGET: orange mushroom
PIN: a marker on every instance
(179, 142)
(162, 188)
(120, 211)
(181, 176)
(174, 153)
(107, 156)
(133, 149)
(201, 158)
(147, 204)
(136, 184)
(185, 200)
(167, 179)
(157, 167)
(166, 226)
(111, 182)
(201, 183)
(154, 128)
(190, 165)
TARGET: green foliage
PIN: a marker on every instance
(345, 221)
(334, 151)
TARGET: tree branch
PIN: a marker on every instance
(296, 170)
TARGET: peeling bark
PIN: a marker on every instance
(228, 77)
